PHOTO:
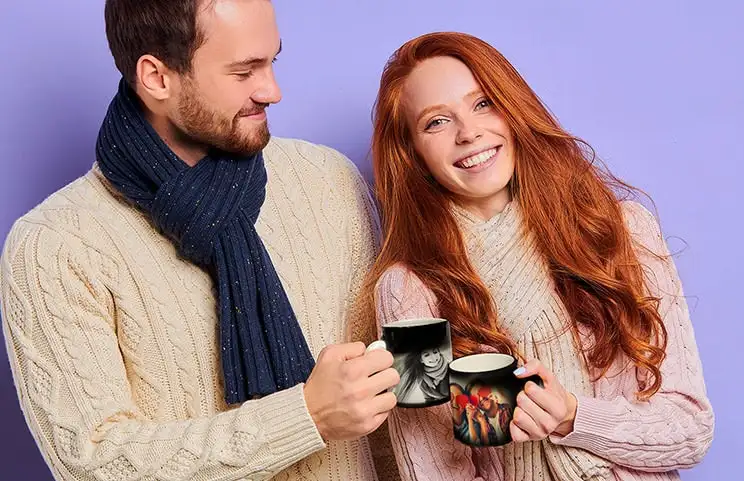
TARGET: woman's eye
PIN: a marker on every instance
(435, 123)
(483, 104)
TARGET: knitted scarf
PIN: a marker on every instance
(433, 375)
(208, 211)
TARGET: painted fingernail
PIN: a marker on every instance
(519, 371)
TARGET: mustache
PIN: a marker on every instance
(257, 109)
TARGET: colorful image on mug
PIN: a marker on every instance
(481, 414)
(423, 374)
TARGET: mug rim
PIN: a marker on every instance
(415, 322)
(425, 404)
(482, 357)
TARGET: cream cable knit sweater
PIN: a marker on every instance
(113, 339)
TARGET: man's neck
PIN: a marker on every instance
(190, 152)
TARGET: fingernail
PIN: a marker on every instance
(519, 371)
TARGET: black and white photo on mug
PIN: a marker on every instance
(423, 372)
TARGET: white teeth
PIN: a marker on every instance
(478, 159)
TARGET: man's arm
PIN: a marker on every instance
(72, 384)
(363, 233)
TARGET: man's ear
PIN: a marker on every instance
(154, 78)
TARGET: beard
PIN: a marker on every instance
(202, 125)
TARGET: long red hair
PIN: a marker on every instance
(570, 205)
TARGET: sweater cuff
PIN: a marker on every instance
(594, 426)
(292, 433)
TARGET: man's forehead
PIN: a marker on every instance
(222, 13)
(238, 30)
(213, 12)
(224, 10)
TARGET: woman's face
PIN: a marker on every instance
(464, 142)
(430, 357)
(457, 410)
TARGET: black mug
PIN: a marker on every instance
(422, 350)
(483, 395)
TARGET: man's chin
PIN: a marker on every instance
(250, 146)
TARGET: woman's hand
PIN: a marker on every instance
(479, 417)
(541, 412)
(470, 412)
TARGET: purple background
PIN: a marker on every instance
(656, 87)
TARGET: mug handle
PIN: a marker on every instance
(379, 344)
(373, 346)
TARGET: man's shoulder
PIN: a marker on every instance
(309, 158)
(64, 211)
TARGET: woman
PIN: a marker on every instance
(500, 221)
(423, 376)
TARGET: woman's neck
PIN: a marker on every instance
(488, 207)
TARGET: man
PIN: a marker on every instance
(175, 315)
(498, 414)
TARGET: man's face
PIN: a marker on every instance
(489, 402)
(221, 102)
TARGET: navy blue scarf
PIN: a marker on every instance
(209, 212)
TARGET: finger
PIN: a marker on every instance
(517, 434)
(371, 362)
(346, 351)
(535, 368)
(381, 381)
(378, 420)
(525, 422)
(542, 418)
(383, 403)
(547, 400)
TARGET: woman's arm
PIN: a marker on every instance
(674, 428)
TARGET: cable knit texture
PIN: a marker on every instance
(113, 338)
(615, 436)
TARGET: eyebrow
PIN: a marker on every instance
(253, 61)
(432, 108)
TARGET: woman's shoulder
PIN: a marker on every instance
(643, 226)
(401, 293)
(637, 216)
(400, 278)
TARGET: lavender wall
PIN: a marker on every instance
(656, 87)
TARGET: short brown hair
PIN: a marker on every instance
(166, 29)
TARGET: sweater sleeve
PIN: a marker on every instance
(363, 231)
(424, 445)
(674, 428)
(60, 331)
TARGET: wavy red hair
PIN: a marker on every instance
(570, 205)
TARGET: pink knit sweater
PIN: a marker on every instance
(615, 436)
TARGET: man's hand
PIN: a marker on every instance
(346, 393)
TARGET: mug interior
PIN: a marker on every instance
(415, 322)
(489, 361)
